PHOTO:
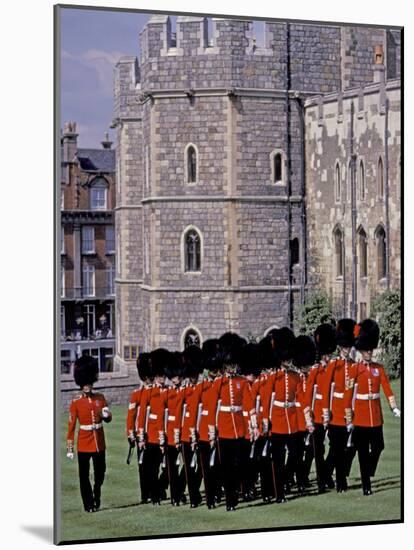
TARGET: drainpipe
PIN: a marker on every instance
(386, 192)
(353, 217)
(288, 170)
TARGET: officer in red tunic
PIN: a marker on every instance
(175, 397)
(337, 382)
(303, 358)
(366, 379)
(279, 409)
(231, 395)
(152, 423)
(317, 416)
(144, 373)
(90, 409)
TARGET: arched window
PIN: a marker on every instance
(277, 168)
(381, 252)
(98, 195)
(191, 164)
(349, 182)
(192, 251)
(294, 252)
(339, 252)
(361, 181)
(337, 183)
(191, 336)
(363, 253)
(380, 179)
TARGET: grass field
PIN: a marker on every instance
(122, 516)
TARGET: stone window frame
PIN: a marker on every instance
(184, 334)
(281, 182)
(383, 275)
(187, 147)
(380, 178)
(337, 183)
(361, 162)
(361, 234)
(339, 265)
(183, 250)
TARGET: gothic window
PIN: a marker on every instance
(339, 252)
(192, 250)
(380, 179)
(381, 252)
(192, 338)
(362, 190)
(349, 183)
(191, 164)
(294, 252)
(337, 184)
(363, 253)
(277, 167)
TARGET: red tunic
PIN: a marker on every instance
(300, 402)
(338, 381)
(367, 380)
(283, 412)
(254, 392)
(317, 380)
(206, 395)
(175, 398)
(88, 411)
(133, 412)
(191, 400)
(235, 397)
(156, 399)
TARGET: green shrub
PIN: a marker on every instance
(316, 310)
(387, 310)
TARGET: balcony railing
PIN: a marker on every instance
(80, 293)
(81, 334)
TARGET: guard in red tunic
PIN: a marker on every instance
(144, 373)
(279, 409)
(175, 397)
(303, 358)
(317, 416)
(152, 423)
(366, 379)
(337, 383)
(231, 395)
(90, 409)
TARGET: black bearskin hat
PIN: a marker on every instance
(160, 359)
(210, 347)
(175, 365)
(193, 361)
(211, 355)
(345, 333)
(86, 371)
(304, 353)
(268, 358)
(231, 345)
(366, 335)
(282, 340)
(250, 360)
(325, 339)
(144, 365)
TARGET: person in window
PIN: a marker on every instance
(90, 409)
(363, 405)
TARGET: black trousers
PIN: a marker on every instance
(91, 499)
(248, 469)
(153, 457)
(279, 444)
(193, 476)
(230, 454)
(143, 479)
(211, 474)
(265, 467)
(301, 466)
(176, 479)
(318, 441)
(369, 443)
(338, 438)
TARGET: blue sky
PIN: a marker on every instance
(92, 41)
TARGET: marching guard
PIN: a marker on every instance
(90, 409)
(362, 402)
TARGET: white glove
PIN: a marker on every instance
(349, 427)
(70, 455)
(396, 412)
(105, 412)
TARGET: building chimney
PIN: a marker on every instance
(106, 144)
(69, 142)
(379, 67)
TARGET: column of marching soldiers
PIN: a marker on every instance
(248, 419)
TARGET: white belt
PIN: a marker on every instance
(284, 404)
(204, 412)
(318, 396)
(261, 409)
(245, 413)
(187, 414)
(153, 416)
(367, 396)
(171, 417)
(339, 395)
(90, 427)
(232, 408)
(298, 404)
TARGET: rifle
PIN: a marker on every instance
(194, 458)
(141, 454)
(164, 458)
(254, 441)
(213, 451)
(308, 436)
(330, 407)
(267, 444)
(349, 441)
(130, 453)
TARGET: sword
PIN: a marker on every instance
(349, 441)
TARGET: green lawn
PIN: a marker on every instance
(122, 516)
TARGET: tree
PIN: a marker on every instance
(387, 310)
(316, 310)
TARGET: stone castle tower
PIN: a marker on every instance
(211, 216)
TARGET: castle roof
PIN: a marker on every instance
(93, 160)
